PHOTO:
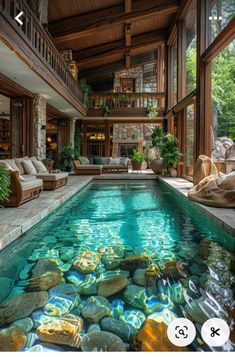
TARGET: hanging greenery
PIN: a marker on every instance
(86, 90)
(77, 140)
(152, 109)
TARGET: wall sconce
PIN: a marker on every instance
(128, 28)
(18, 105)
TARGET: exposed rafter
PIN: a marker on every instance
(82, 25)
(116, 50)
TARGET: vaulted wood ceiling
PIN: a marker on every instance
(110, 33)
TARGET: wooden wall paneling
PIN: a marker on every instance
(128, 6)
(16, 124)
(84, 138)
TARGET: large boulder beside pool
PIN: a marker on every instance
(12, 339)
(102, 341)
(210, 187)
(21, 306)
(61, 331)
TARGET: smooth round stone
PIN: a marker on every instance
(96, 308)
(60, 305)
(75, 277)
(112, 286)
(133, 317)
(65, 290)
(139, 277)
(135, 296)
(102, 342)
(63, 332)
(111, 264)
(122, 329)
(43, 266)
(25, 324)
(43, 253)
(67, 255)
(6, 285)
(87, 261)
(12, 339)
(31, 339)
(43, 282)
(39, 318)
(117, 308)
(136, 261)
(89, 286)
(21, 306)
(93, 328)
(112, 251)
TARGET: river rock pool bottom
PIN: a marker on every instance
(110, 270)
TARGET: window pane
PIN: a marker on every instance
(189, 152)
(190, 65)
(174, 64)
(222, 11)
(223, 101)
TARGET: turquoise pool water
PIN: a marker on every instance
(113, 257)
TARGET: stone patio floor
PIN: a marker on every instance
(17, 220)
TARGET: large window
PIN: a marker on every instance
(190, 24)
(189, 147)
(223, 94)
(221, 12)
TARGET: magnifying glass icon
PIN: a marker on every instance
(181, 332)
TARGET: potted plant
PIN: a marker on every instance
(170, 154)
(4, 185)
(137, 160)
(157, 164)
(66, 158)
(152, 109)
(48, 163)
(86, 90)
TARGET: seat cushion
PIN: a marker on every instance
(52, 177)
(124, 161)
(30, 184)
(114, 161)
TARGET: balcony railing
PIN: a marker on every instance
(127, 100)
(37, 38)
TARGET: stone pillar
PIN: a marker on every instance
(39, 126)
(72, 65)
(72, 130)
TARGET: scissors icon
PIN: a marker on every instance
(215, 332)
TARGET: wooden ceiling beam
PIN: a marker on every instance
(128, 5)
(75, 27)
(142, 43)
(105, 71)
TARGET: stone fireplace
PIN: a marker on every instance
(127, 137)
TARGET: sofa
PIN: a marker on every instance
(100, 165)
(28, 177)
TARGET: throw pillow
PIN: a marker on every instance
(114, 161)
(40, 167)
(84, 160)
(13, 165)
(29, 167)
(99, 160)
(124, 161)
(19, 163)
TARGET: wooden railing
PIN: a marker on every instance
(127, 100)
(37, 38)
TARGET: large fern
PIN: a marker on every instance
(4, 184)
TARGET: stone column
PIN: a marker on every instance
(39, 126)
(72, 123)
(72, 65)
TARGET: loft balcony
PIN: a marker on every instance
(32, 44)
(125, 104)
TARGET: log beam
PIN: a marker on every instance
(75, 27)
